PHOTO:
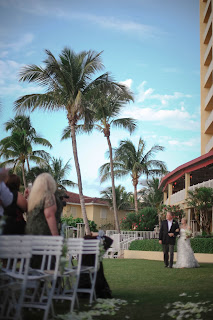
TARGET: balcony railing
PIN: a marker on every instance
(209, 145)
(208, 76)
(180, 195)
(208, 31)
(209, 123)
(209, 100)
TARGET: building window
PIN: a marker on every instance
(103, 214)
(74, 212)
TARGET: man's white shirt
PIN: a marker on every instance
(169, 224)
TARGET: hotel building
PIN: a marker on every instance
(197, 172)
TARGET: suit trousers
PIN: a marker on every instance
(168, 250)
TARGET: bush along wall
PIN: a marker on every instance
(199, 245)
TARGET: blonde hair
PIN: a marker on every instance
(42, 186)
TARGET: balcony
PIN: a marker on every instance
(180, 195)
(209, 145)
(209, 100)
(209, 124)
(208, 54)
(207, 11)
(209, 76)
(208, 31)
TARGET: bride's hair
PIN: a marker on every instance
(184, 219)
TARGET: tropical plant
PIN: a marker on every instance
(145, 220)
(70, 87)
(107, 107)
(123, 201)
(176, 210)
(129, 160)
(70, 221)
(152, 196)
(57, 170)
(201, 199)
(16, 150)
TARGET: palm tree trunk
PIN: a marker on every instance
(28, 166)
(23, 175)
(135, 196)
(75, 153)
(117, 226)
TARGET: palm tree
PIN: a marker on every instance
(107, 107)
(23, 124)
(57, 170)
(16, 149)
(152, 195)
(129, 160)
(69, 86)
(123, 198)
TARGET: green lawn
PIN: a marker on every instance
(153, 287)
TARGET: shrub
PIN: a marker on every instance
(70, 221)
(175, 209)
(144, 220)
(199, 245)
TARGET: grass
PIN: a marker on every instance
(148, 287)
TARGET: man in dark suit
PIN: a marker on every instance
(167, 237)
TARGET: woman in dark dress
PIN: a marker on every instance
(15, 223)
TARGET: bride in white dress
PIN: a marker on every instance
(185, 254)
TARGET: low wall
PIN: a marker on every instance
(158, 255)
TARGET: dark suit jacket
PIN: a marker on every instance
(166, 239)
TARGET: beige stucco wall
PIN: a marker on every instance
(155, 255)
(94, 213)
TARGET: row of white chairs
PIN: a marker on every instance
(31, 274)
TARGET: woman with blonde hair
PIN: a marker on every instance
(42, 207)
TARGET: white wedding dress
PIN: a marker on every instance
(185, 254)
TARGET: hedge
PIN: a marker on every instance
(199, 245)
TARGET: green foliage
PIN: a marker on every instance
(144, 220)
(70, 221)
(175, 209)
(201, 199)
(146, 245)
(199, 245)
(202, 245)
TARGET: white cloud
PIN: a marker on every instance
(127, 83)
(43, 8)
(163, 98)
(25, 40)
(177, 118)
(9, 70)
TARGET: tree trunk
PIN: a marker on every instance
(28, 166)
(135, 197)
(75, 153)
(23, 175)
(117, 226)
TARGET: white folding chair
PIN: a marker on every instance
(41, 281)
(68, 280)
(16, 253)
(91, 250)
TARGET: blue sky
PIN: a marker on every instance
(152, 46)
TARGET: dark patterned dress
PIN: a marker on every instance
(36, 221)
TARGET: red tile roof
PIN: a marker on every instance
(74, 198)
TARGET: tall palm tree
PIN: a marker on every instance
(123, 200)
(69, 86)
(107, 107)
(16, 149)
(129, 160)
(23, 124)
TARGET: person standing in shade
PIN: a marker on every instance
(6, 196)
(167, 237)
